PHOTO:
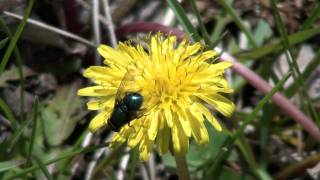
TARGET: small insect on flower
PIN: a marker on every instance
(126, 108)
(158, 94)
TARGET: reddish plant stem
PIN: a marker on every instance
(254, 79)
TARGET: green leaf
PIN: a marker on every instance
(61, 114)
(262, 32)
(13, 74)
(198, 155)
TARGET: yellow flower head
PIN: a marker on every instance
(176, 82)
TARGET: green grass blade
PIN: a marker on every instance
(43, 168)
(110, 159)
(183, 20)
(218, 28)
(34, 128)
(238, 22)
(15, 37)
(264, 174)
(134, 163)
(267, 116)
(7, 165)
(18, 62)
(16, 135)
(22, 84)
(217, 41)
(214, 169)
(248, 156)
(203, 29)
(305, 74)
(76, 146)
(284, 36)
(260, 105)
(304, 97)
(224, 152)
(3, 42)
(8, 113)
(276, 45)
(315, 13)
(65, 155)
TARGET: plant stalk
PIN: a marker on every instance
(182, 168)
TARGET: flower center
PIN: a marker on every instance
(167, 89)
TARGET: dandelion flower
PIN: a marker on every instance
(178, 85)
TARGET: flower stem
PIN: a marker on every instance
(182, 167)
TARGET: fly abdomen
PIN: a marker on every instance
(125, 110)
(118, 117)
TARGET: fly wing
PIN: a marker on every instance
(121, 91)
(130, 83)
(124, 85)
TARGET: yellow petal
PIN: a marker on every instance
(97, 91)
(132, 142)
(185, 50)
(218, 68)
(168, 116)
(222, 104)
(180, 140)
(114, 56)
(153, 128)
(199, 131)
(205, 55)
(209, 116)
(100, 104)
(155, 50)
(145, 148)
(98, 121)
(96, 71)
(163, 140)
(184, 121)
(221, 65)
(168, 44)
(176, 139)
(117, 140)
(196, 112)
